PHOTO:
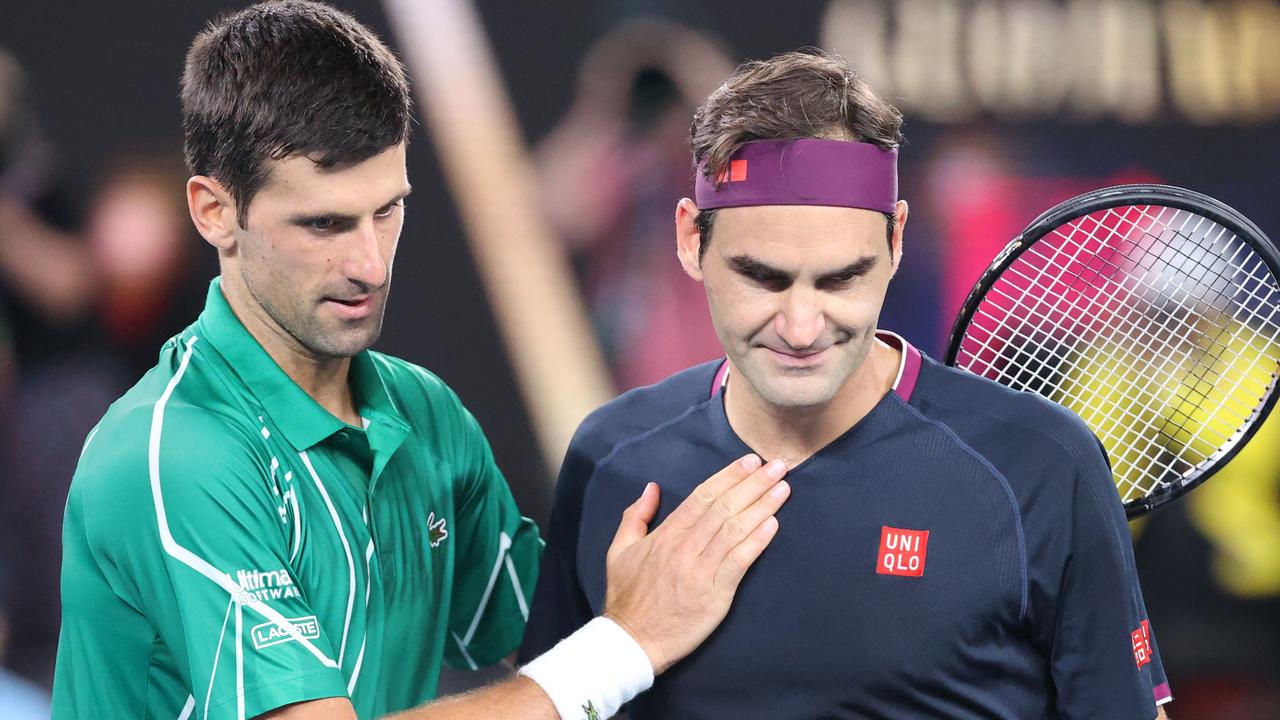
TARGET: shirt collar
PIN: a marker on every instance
(299, 417)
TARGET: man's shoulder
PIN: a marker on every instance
(644, 409)
(169, 422)
(989, 416)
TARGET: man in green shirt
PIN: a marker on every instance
(276, 521)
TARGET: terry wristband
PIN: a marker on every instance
(591, 673)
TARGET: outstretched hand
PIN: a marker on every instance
(672, 587)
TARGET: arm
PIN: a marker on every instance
(517, 698)
(668, 588)
(1104, 659)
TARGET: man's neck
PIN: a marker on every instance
(326, 380)
(795, 434)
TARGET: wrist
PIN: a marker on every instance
(650, 648)
(597, 668)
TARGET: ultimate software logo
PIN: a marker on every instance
(260, 586)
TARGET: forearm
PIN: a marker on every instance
(1160, 713)
(516, 699)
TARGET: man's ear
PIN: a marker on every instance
(688, 239)
(213, 211)
(900, 212)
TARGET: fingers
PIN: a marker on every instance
(740, 558)
(739, 527)
(705, 495)
(725, 509)
(635, 520)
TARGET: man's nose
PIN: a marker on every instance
(801, 320)
(362, 260)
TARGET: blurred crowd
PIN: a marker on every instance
(99, 267)
(97, 270)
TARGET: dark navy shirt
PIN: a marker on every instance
(960, 552)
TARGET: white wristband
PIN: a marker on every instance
(591, 673)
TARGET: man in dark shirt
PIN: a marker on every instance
(951, 548)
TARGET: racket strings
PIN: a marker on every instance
(1021, 358)
(1156, 325)
(1200, 371)
(1166, 327)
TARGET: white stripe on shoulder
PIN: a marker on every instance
(186, 709)
(88, 439)
(346, 548)
(185, 556)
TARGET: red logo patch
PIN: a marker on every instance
(902, 552)
(1142, 644)
(736, 172)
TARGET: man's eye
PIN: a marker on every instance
(322, 223)
(770, 282)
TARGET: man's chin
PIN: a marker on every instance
(798, 393)
(345, 343)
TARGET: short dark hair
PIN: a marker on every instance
(288, 77)
(804, 94)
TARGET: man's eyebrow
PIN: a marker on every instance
(858, 267)
(753, 268)
(407, 190)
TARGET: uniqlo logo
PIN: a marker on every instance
(1142, 644)
(902, 552)
(736, 172)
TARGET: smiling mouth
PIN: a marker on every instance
(799, 360)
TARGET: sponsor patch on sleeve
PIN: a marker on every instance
(268, 634)
(1141, 639)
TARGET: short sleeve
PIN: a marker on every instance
(559, 605)
(497, 554)
(1103, 659)
(209, 568)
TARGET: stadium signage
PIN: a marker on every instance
(1134, 61)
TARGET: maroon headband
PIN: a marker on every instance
(804, 172)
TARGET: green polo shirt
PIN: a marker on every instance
(231, 547)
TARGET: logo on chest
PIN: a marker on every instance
(902, 552)
(437, 530)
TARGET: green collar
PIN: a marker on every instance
(302, 420)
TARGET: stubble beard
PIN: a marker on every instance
(303, 321)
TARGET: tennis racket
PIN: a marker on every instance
(1153, 313)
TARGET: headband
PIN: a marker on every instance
(803, 172)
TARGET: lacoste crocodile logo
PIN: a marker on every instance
(436, 530)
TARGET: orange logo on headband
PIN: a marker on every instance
(736, 172)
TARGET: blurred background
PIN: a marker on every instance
(537, 273)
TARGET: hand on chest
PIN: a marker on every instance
(882, 564)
